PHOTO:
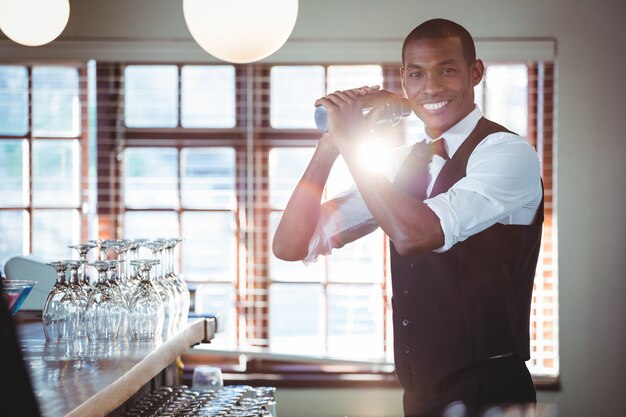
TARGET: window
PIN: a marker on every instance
(509, 95)
(330, 306)
(211, 153)
(43, 154)
(182, 183)
(341, 304)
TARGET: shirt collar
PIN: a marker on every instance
(456, 135)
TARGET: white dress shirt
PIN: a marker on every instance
(502, 185)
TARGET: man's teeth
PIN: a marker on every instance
(435, 106)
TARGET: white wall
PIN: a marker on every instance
(591, 169)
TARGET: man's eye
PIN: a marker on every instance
(416, 74)
(448, 70)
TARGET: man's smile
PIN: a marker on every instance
(435, 106)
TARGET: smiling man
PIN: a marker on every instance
(463, 213)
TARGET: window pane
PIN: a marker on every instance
(208, 178)
(219, 300)
(355, 321)
(14, 236)
(414, 128)
(53, 230)
(389, 327)
(210, 246)
(13, 100)
(56, 173)
(345, 77)
(479, 92)
(150, 224)
(339, 179)
(151, 178)
(360, 261)
(292, 271)
(208, 96)
(293, 90)
(286, 168)
(56, 105)
(296, 315)
(151, 96)
(506, 100)
(13, 173)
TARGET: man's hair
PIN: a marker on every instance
(440, 29)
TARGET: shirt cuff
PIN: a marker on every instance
(448, 221)
(318, 245)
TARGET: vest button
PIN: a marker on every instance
(406, 322)
(411, 266)
(406, 293)
(407, 349)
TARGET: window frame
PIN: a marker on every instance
(83, 140)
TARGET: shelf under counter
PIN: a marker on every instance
(74, 380)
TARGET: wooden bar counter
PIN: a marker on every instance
(76, 379)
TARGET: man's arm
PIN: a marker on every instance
(302, 214)
(300, 218)
(410, 224)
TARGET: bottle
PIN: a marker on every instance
(396, 107)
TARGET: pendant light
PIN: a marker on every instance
(33, 22)
(240, 31)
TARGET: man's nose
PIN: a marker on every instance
(432, 84)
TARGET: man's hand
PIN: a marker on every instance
(345, 114)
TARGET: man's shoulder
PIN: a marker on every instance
(500, 134)
(506, 146)
(495, 127)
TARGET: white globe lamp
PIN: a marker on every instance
(33, 22)
(240, 31)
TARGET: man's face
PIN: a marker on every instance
(439, 82)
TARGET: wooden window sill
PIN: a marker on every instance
(308, 374)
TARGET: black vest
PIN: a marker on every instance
(470, 303)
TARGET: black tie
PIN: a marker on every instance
(413, 177)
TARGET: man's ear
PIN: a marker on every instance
(477, 71)
(402, 78)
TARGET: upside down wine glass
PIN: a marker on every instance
(99, 243)
(133, 250)
(146, 313)
(83, 249)
(163, 287)
(80, 294)
(120, 293)
(61, 311)
(177, 283)
(104, 310)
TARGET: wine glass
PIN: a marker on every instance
(163, 288)
(177, 283)
(101, 250)
(79, 292)
(120, 292)
(61, 311)
(121, 247)
(146, 313)
(83, 249)
(104, 310)
(133, 250)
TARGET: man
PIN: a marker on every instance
(464, 228)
